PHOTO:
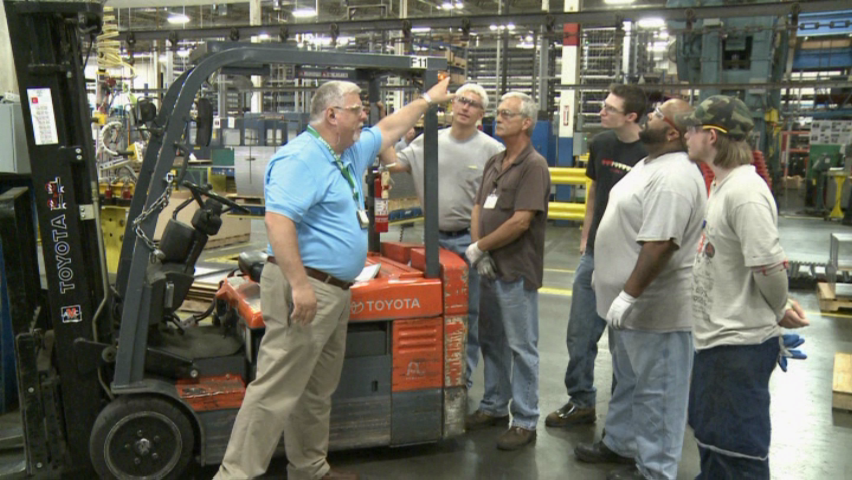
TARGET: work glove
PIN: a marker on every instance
(789, 342)
(486, 267)
(473, 253)
(619, 310)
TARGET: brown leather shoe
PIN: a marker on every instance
(598, 452)
(340, 475)
(515, 438)
(479, 420)
(570, 414)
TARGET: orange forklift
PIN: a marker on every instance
(110, 380)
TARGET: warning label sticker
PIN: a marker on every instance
(72, 314)
(44, 119)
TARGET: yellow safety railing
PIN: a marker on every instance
(565, 210)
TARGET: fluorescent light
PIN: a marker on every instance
(651, 23)
(178, 19)
(526, 45)
(618, 2)
(662, 34)
(659, 47)
(421, 29)
(528, 39)
(459, 6)
(510, 26)
(183, 53)
(447, 6)
(263, 36)
(304, 12)
(492, 27)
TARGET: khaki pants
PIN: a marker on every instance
(298, 370)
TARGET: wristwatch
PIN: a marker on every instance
(428, 99)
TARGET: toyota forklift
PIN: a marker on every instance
(110, 380)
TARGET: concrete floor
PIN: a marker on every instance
(810, 441)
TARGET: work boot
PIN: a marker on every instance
(570, 414)
(599, 453)
(631, 473)
(479, 420)
(515, 438)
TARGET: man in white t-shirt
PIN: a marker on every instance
(463, 151)
(645, 248)
(739, 298)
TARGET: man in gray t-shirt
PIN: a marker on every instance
(740, 298)
(463, 151)
(644, 250)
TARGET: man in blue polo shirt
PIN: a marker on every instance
(316, 224)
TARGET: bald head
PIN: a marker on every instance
(675, 109)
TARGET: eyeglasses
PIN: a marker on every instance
(508, 114)
(609, 108)
(703, 128)
(468, 102)
(662, 116)
(356, 109)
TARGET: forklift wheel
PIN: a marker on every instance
(141, 437)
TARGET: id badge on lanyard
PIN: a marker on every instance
(491, 201)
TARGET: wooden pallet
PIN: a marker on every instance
(828, 301)
(841, 389)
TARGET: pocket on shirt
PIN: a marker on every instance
(506, 200)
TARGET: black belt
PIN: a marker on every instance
(456, 233)
(319, 275)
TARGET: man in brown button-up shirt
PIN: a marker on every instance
(507, 226)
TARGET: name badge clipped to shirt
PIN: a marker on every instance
(363, 219)
(490, 201)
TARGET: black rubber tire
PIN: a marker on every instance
(150, 429)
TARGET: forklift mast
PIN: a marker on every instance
(46, 41)
(73, 364)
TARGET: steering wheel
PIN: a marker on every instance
(197, 191)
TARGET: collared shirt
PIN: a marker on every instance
(524, 185)
(304, 184)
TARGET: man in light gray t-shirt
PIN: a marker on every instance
(460, 164)
(644, 250)
(658, 200)
(463, 151)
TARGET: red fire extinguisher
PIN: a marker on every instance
(381, 201)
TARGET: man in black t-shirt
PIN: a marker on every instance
(611, 155)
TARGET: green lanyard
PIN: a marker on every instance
(343, 170)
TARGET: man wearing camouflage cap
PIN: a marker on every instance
(739, 299)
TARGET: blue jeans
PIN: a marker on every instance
(647, 412)
(458, 245)
(729, 409)
(585, 328)
(509, 337)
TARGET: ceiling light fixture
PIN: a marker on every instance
(421, 29)
(304, 12)
(618, 2)
(651, 23)
(178, 19)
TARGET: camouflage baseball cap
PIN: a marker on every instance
(726, 114)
